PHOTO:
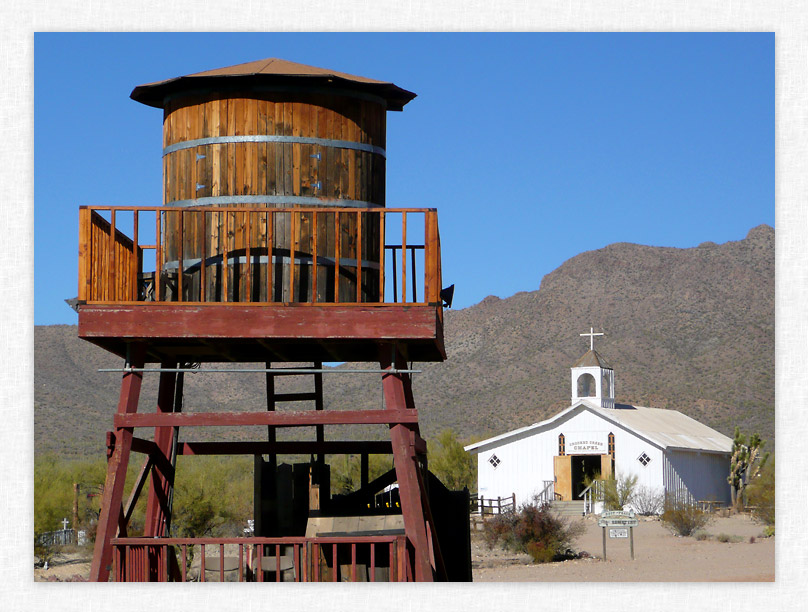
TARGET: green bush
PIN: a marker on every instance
(684, 518)
(618, 493)
(535, 530)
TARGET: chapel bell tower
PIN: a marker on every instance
(593, 377)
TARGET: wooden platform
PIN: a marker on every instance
(235, 332)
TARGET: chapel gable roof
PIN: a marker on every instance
(668, 429)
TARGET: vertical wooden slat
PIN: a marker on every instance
(225, 256)
(203, 258)
(297, 550)
(314, 258)
(84, 252)
(381, 255)
(337, 232)
(158, 258)
(184, 562)
(241, 562)
(248, 237)
(202, 565)
(404, 256)
(373, 562)
(270, 221)
(136, 264)
(221, 562)
(277, 563)
(353, 562)
(111, 276)
(292, 236)
(334, 565)
(359, 257)
(260, 563)
(180, 256)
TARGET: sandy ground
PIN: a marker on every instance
(659, 556)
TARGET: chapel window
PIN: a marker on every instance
(561, 449)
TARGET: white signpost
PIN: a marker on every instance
(618, 521)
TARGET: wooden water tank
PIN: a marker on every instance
(273, 134)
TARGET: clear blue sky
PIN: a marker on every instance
(533, 147)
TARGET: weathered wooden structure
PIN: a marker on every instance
(273, 245)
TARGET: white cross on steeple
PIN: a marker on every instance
(592, 335)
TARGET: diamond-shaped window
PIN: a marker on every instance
(644, 459)
(494, 461)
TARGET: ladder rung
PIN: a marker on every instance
(295, 397)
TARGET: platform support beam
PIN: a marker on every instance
(158, 510)
(398, 396)
(111, 519)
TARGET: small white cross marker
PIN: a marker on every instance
(64, 523)
(592, 335)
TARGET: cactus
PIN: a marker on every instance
(745, 465)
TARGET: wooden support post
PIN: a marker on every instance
(110, 519)
(157, 510)
(397, 396)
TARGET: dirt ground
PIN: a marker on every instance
(659, 556)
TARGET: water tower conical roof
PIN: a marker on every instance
(270, 71)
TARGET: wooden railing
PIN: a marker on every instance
(259, 255)
(490, 506)
(384, 558)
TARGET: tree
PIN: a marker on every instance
(453, 466)
(746, 463)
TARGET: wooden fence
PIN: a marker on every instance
(318, 559)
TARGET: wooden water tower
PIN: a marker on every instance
(273, 245)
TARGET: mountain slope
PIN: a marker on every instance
(688, 329)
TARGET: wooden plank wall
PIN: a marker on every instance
(108, 267)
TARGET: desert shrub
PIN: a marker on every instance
(618, 493)
(701, 536)
(648, 501)
(728, 539)
(760, 494)
(684, 518)
(534, 529)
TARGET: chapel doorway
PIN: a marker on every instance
(584, 469)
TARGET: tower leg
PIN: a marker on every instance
(398, 396)
(158, 512)
(111, 518)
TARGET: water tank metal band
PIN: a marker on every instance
(268, 199)
(325, 142)
(193, 264)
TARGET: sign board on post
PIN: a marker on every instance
(618, 522)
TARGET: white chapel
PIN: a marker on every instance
(669, 452)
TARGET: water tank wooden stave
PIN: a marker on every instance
(302, 144)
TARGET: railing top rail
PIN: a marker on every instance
(147, 541)
(254, 208)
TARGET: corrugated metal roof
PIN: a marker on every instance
(269, 71)
(666, 428)
(592, 359)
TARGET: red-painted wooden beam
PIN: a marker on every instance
(284, 448)
(238, 321)
(302, 418)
